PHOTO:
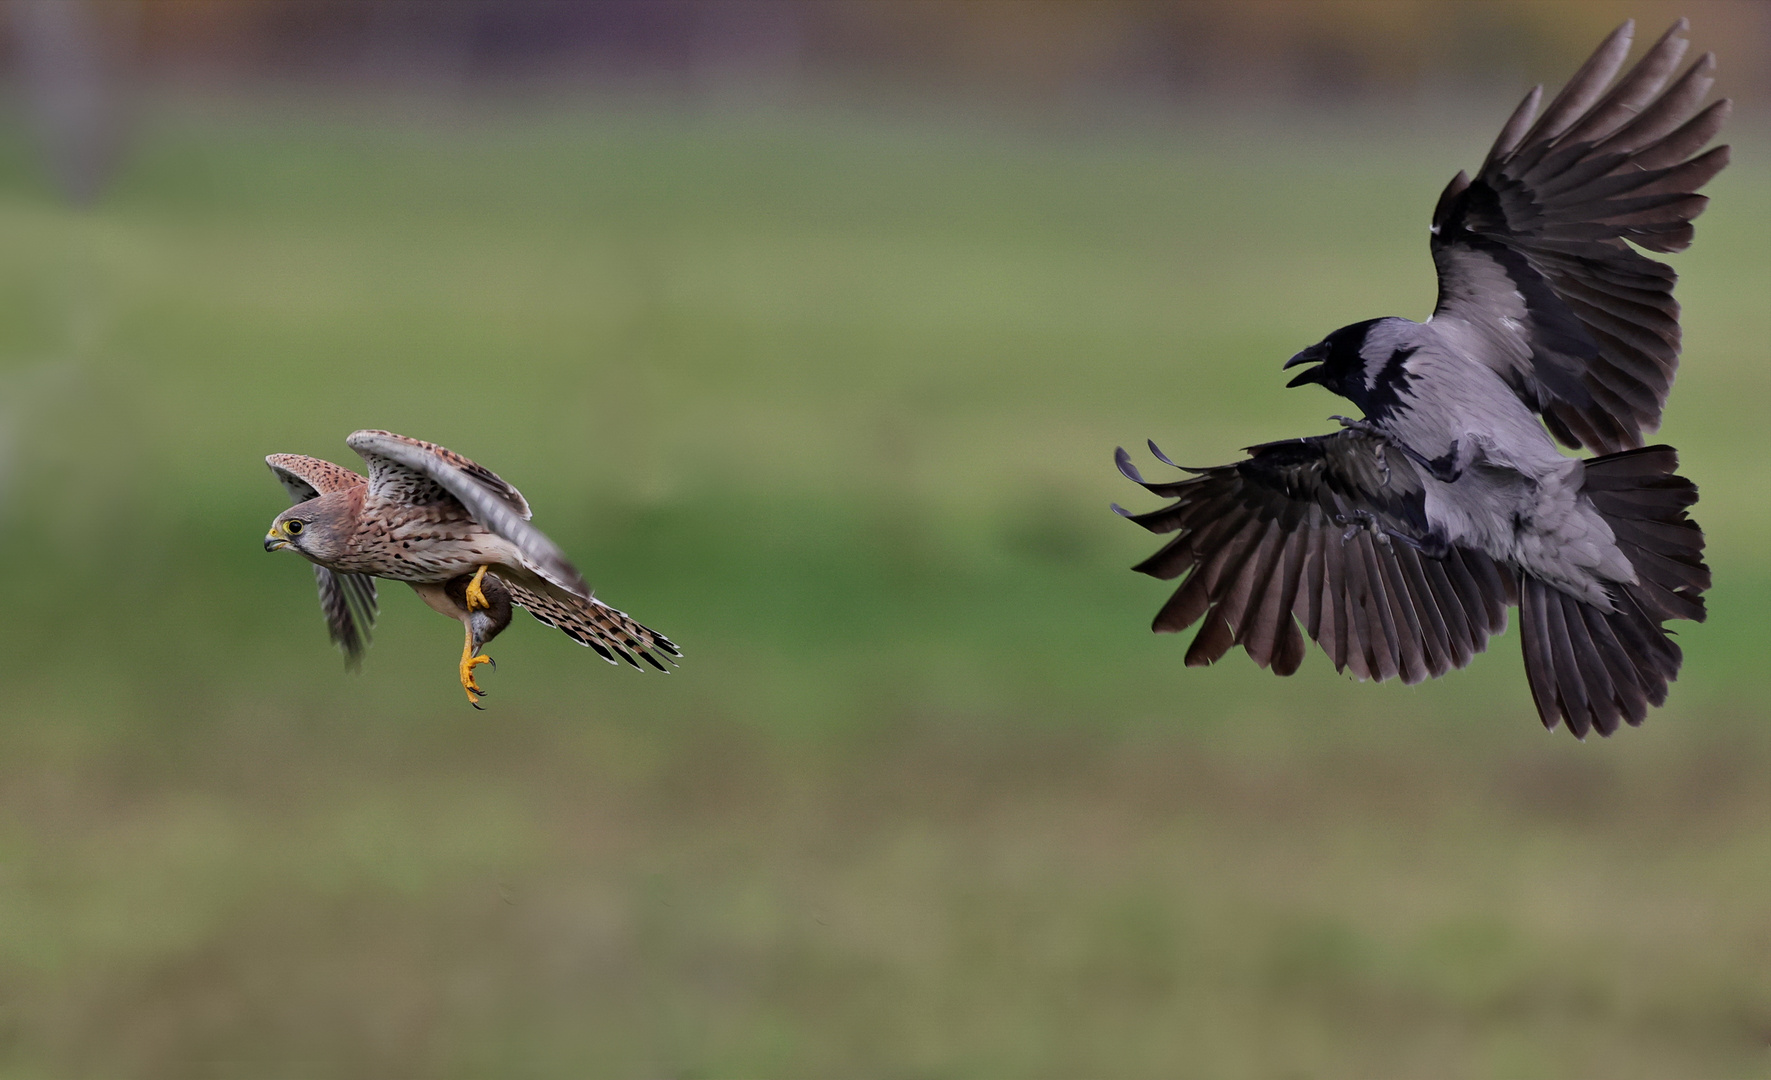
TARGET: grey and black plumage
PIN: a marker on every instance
(453, 530)
(1398, 542)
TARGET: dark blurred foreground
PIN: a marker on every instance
(525, 896)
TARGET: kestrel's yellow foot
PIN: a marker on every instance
(469, 661)
(476, 597)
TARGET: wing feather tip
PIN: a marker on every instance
(1126, 468)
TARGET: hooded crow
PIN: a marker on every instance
(1399, 542)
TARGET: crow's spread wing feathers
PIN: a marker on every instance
(1532, 253)
(1329, 532)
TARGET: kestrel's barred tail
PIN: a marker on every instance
(593, 623)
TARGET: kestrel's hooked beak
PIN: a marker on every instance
(273, 542)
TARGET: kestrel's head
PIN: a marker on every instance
(317, 528)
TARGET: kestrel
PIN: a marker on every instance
(452, 530)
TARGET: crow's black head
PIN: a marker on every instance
(1350, 363)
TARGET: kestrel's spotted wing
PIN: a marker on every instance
(415, 472)
(347, 600)
(350, 605)
(307, 478)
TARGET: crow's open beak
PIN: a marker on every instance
(272, 542)
(1311, 355)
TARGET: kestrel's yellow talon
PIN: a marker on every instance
(467, 677)
(468, 662)
(476, 597)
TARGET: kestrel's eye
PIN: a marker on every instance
(292, 527)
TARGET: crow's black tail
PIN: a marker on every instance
(1594, 668)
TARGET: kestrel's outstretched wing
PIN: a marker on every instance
(416, 472)
(1331, 530)
(1532, 257)
(348, 600)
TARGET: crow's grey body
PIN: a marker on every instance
(1515, 496)
(1399, 542)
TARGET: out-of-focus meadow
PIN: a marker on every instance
(828, 393)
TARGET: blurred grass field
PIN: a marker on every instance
(830, 398)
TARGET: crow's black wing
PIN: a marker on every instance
(1532, 257)
(1330, 532)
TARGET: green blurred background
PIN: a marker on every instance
(819, 372)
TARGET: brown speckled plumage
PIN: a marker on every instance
(430, 517)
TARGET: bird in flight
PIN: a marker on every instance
(452, 530)
(1399, 541)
